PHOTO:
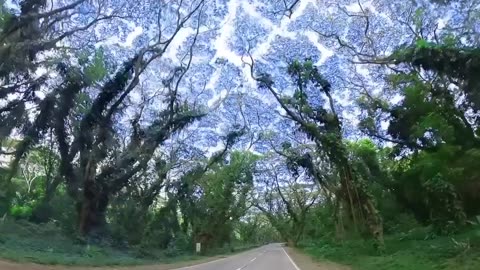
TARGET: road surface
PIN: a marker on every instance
(268, 257)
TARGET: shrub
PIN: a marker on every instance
(21, 211)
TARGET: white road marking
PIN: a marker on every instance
(247, 264)
(205, 263)
(293, 263)
(221, 259)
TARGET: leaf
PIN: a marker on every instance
(418, 17)
(422, 44)
(97, 70)
(4, 16)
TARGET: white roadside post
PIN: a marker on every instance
(198, 247)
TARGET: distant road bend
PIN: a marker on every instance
(271, 256)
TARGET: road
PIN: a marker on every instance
(271, 256)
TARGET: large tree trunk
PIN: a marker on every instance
(338, 220)
(363, 202)
(6, 194)
(92, 212)
(299, 233)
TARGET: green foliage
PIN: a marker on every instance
(427, 177)
(96, 70)
(324, 128)
(447, 61)
(418, 18)
(428, 170)
(413, 250)
(444, 203)
(47, 244)
(128, 221)
(163, 232)
(5, 16)
(255, 228)
(18, 211)
(89, 163)
(224, 198)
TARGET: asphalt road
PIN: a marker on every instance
(271, 256)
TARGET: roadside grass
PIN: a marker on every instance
(417, 250)
(22, 241)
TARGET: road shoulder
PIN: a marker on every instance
(304, 262)
(10, 265)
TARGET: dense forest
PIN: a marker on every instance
(347, 129)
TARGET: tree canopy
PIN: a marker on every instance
(163, 124)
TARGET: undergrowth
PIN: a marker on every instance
(418, 249)
(23, 241)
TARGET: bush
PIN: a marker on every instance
(127, 221)
(64, 213)
(416, 249)
(21, 211)
(46, 243)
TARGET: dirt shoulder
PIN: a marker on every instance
(7, 265)
(304, 262)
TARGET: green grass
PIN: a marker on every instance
(45, 244)
(416, 250)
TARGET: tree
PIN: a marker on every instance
(26, 38)
(213, 198)
(416, 96)
(285, 198)
(101, 170)
(323, 127)
(433, 123)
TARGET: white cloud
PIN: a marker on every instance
(217, 98)
(221, 43)
(212, 150)
(325, 52)
(355, 7)
(10, 5)
(177, 42)
(137, 31)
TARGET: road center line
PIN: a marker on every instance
(221, 259)
(293, 263)
(200, 264)
(247, 264)
(240, 268)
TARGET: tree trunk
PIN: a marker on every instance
(6, 195)
(338, 219)
(374, 222)
(92, 212)
(299, 233)
(42, 212)
(366, 207)
(291, 243)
